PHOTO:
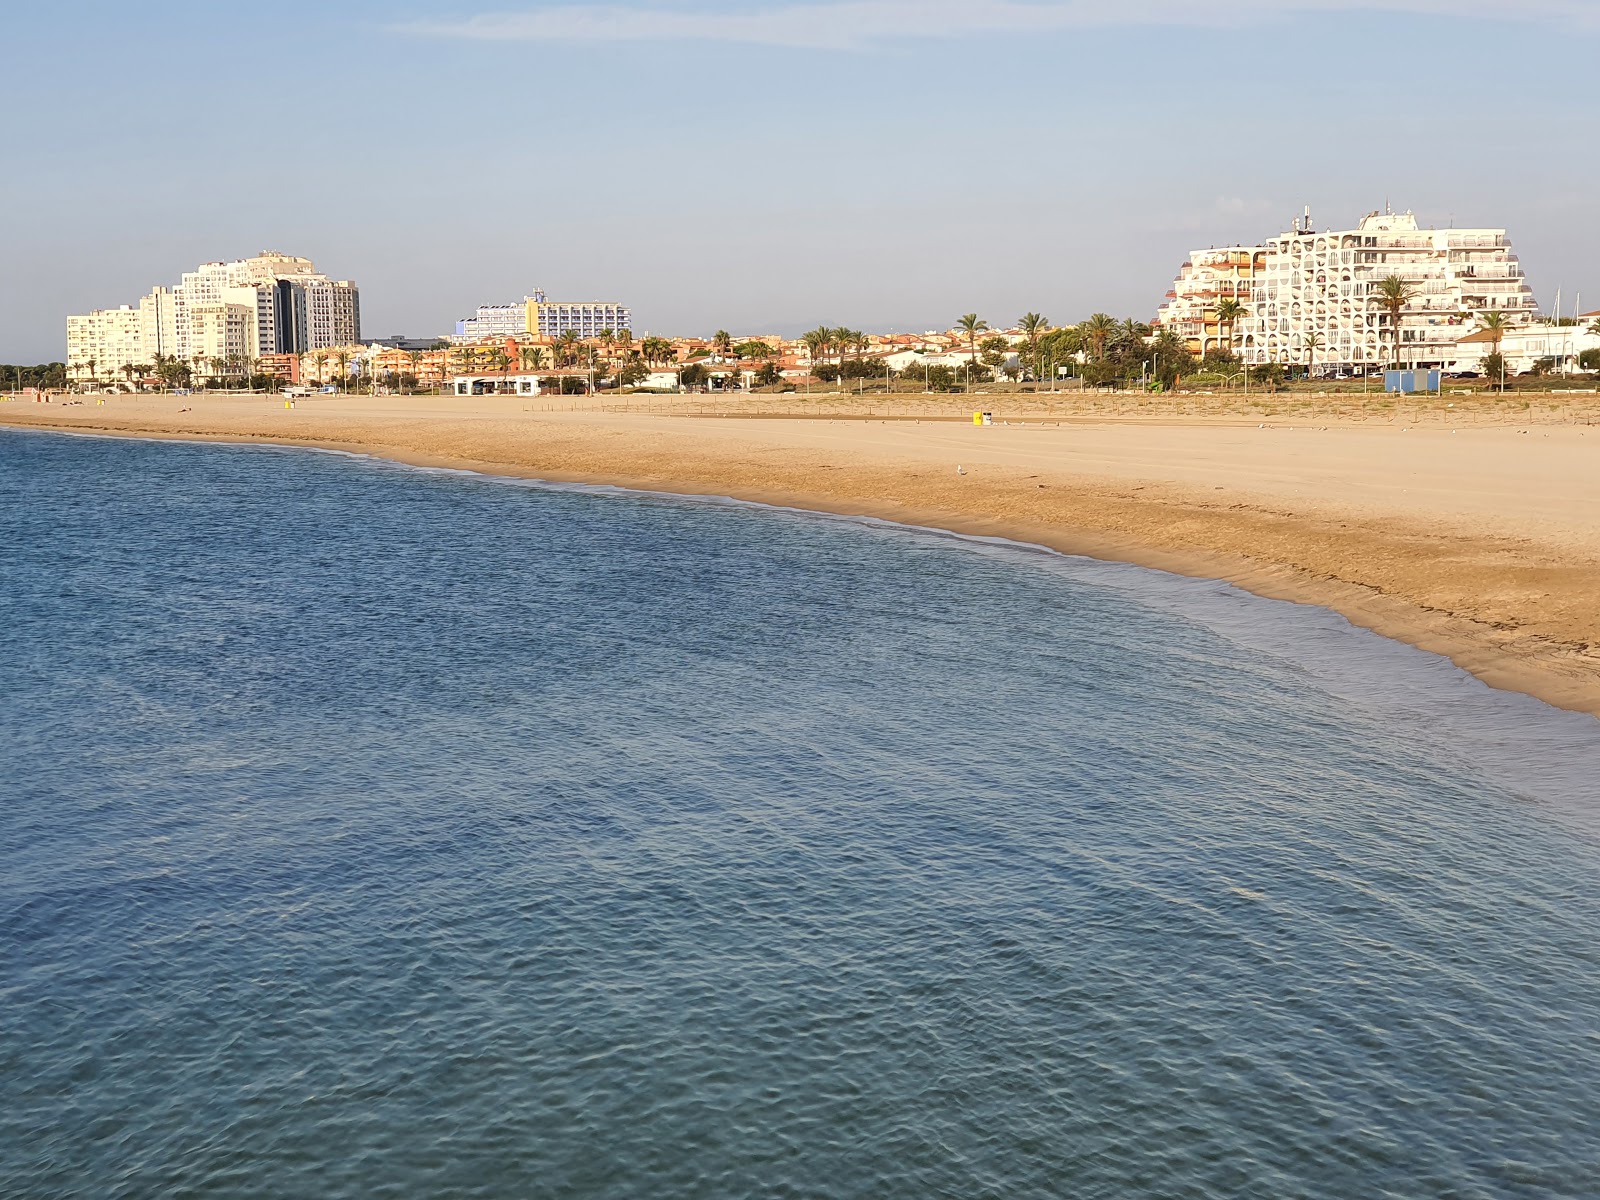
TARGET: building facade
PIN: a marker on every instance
(233, 312)
(1314, 298)
(494, 321)
(101, 344)
(539, 317)
(587, 318)
(1204, 282)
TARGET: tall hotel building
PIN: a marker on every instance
(1316, 295)
(542, 318)
(236, 312)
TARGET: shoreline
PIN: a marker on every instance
(1268, 550)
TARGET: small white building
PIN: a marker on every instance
(495, 385)
(1526, 346)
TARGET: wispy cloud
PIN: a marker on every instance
(855, 24)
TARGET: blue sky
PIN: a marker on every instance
(769, 166)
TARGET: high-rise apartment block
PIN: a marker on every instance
(1312, 297)
(539, 317)
(230, 313)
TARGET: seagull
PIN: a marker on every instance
(960, 470)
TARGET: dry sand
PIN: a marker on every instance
(1464, 535)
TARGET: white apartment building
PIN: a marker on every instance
(495, 321)
(586, 318)
(1313, 298)
(101, 343)
(544, 318)
(236, 312)
(1205, 281)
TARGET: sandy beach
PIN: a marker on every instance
(1472, 536)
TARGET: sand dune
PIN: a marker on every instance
(1475, 539)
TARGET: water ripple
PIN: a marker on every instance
(377, 833)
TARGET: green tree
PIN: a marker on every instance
(972, 325)
(499, 361)
(1268, 375)
(767, 374)
(1033, 328)
(1494, 370)
(1314, 342)
(692, 375)
(754, 349)
(1098, 331)
(721, 343)
(1393, 296)
(1495, 325)
(1059, 347)
(817, 341)
(993, 351)
(1229, 312)
(1171, 358)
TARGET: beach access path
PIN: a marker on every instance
(1472, 538)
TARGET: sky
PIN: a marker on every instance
(766, 167)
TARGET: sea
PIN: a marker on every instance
(373, 831)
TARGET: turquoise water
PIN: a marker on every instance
(368, 832)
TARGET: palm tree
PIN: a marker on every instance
(320, 359)
(1033, 328)
(568, 343)
(1495, 325)
(1099, 329)
(841, 338)
(1171, 357)
(721, 343)
(500, 361)
(816, 342)
(972, 325)
(414, 357)
(1393, 295)
(1314, 342)
(1229, 310)
(342, 357)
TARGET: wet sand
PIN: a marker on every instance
(1476, 539)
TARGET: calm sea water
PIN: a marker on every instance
(367, 832)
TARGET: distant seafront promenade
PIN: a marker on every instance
(1472, 532)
